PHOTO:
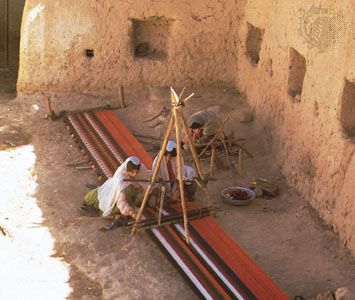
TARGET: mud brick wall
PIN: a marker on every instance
(132, 42)
(302, 86)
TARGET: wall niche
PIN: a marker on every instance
(150, 37)
(296, 73)
(347, 109)
(253, 43)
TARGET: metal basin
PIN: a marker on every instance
(239, 202)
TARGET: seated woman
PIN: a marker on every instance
(118, 194)
(168, 172)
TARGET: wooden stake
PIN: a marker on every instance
(213, 154)
(188, 97)
(147, 137)
(155, 173)
(240, 162)
(121, 96)
(49, 108)
(230, 142)
(76, 163)
(246, 151)
(182, 92)
(161, 203)
(83, 167)
(180, 171)
(231, 167)
(175, 101)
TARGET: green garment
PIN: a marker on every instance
(92, 199)
(131, 192)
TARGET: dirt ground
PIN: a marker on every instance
(76, 260)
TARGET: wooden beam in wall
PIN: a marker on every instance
(4, 34)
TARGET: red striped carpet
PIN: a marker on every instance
(213, 262)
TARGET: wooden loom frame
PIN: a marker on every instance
(176, 116)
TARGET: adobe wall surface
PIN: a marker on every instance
(198, 44)
(310, 143)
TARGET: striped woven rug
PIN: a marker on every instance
(213, 262)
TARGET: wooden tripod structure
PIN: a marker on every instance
(176, 119)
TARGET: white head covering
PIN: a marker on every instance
(170, 146)
(122, 169)
(133, 159)
(111, 191)
(163, 173)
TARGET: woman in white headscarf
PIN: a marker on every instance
(168, 170)
(118, 193)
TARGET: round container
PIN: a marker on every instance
(227, 198)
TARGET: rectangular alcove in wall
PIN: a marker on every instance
(253, 43)
(150, 37)
(296, 73)
(347, 109)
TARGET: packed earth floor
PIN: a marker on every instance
(54, 256)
